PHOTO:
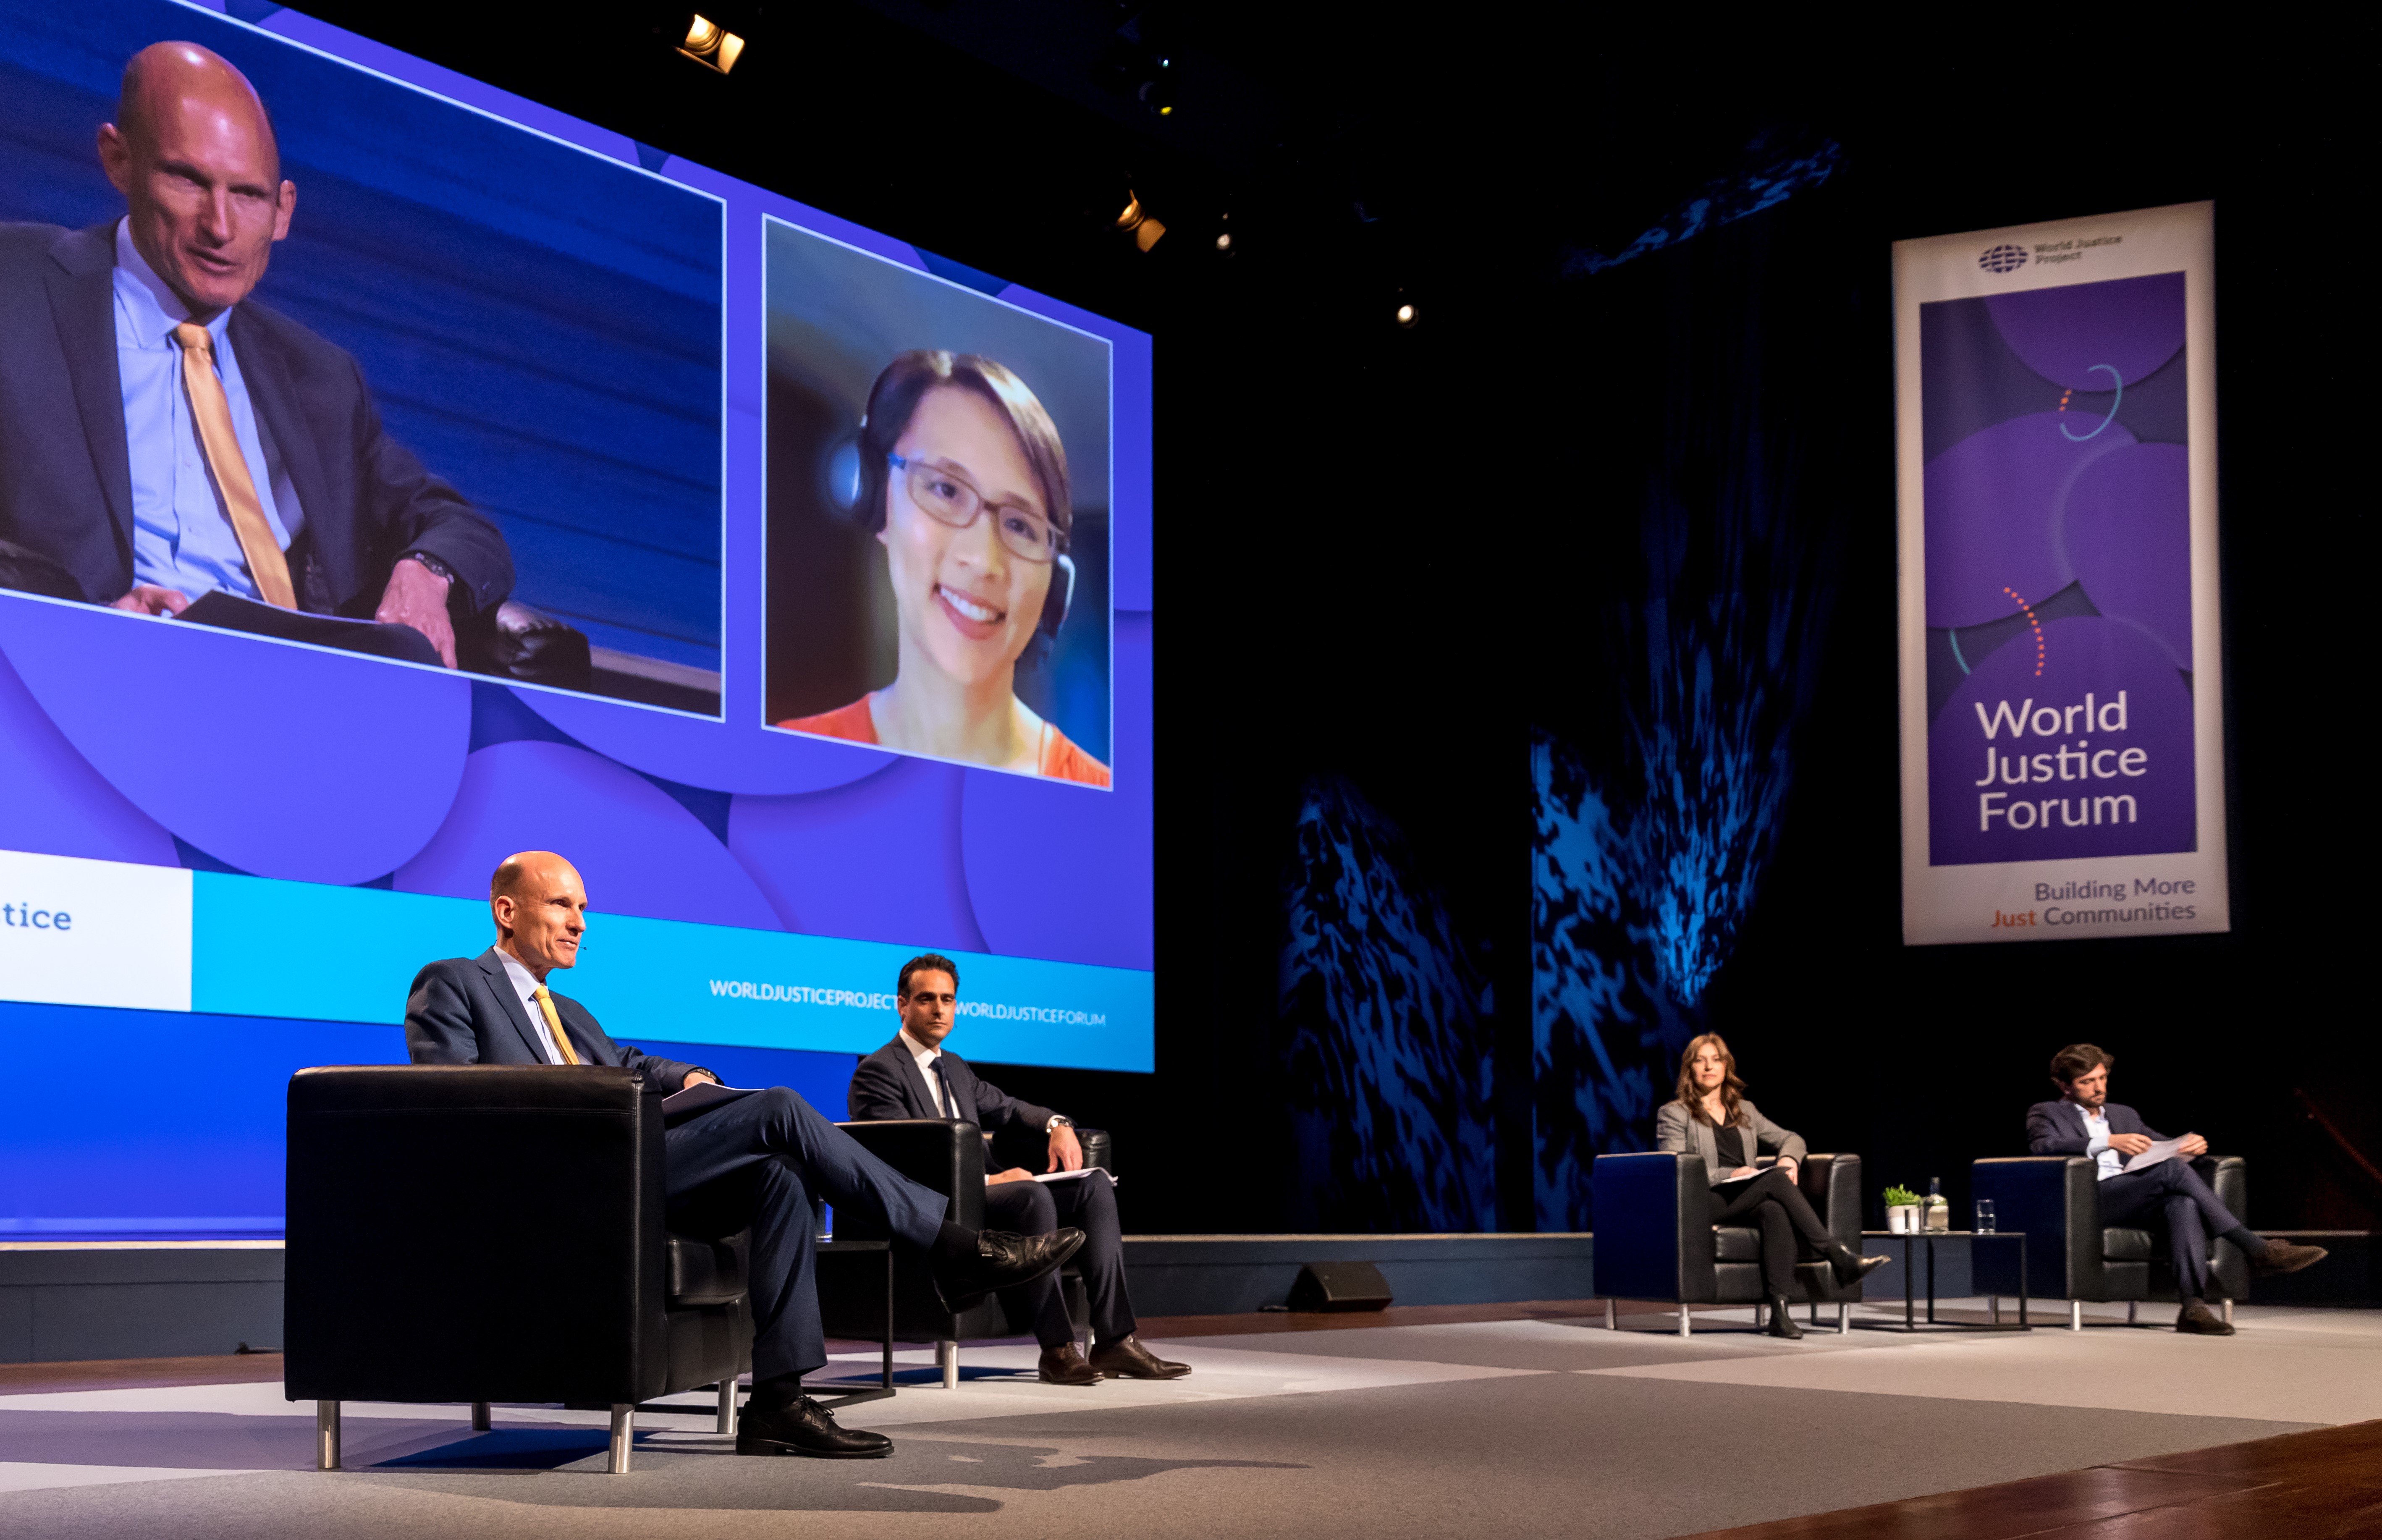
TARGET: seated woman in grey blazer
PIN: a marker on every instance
(1713, 1118)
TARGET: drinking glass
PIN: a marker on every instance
(1984, 1216)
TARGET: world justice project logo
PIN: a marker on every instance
(2002, 258)
(2058, 581)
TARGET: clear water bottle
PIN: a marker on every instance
(1939, 1209)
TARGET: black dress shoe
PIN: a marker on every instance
(1064, 1365)
(1126, 1359)
(1782, 1319)
(1849, 1264)
(1000, 1260)
(803, 1427)
(2197, 1320)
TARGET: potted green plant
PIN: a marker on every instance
(1901, 1210)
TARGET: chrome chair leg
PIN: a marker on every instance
(1994, 1309)
(479, 1416)
(624, 1432)
(1686, 1322)
(2229, 1313)
(727, 1405)
(1612, 1315)
(2075, 1315)
(1843, 1317)
(947, 1357)
(2129, 1313)
(327, 1435)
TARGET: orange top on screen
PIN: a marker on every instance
(1059, 759)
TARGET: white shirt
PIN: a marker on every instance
(924, 1058)
(2096, 1141)
(525, 985)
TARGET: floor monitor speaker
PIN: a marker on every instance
(1340, 1286)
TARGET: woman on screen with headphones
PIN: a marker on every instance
(966, 481)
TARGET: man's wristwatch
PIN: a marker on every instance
(1057, 1122)
(437, 569)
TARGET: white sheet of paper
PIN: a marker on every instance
(2164, 1149)
(1078, 1175)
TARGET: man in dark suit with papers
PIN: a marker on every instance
(2084, 1122)
(760, 1161)
(915, 1076)
(163, 437)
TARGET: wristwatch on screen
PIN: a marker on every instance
(1057, 1122)
(437, 569)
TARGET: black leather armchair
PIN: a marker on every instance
(951, 1158)
(2072, 1256)
(1653, 1240)
(494, 1234)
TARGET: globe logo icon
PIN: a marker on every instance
(2003, 259)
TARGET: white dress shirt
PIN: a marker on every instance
(2096, 1141)
(525, 985)
(924, 1058)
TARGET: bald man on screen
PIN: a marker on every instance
(163, 435)
(760, 1162)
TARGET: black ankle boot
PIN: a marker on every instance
(1849, 1264)
(1782, 1319)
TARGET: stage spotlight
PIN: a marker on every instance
(711, 46)
(1408, 315)
(1138, 223)
(1224, 243)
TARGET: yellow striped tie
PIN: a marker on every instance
(554, 1025)
(212, 411)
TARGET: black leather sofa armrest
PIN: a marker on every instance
(2056, 1201)
(1831, 1185)
(933, 1151)
(502, 1217)
(1654, 1226)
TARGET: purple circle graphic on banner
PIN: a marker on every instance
(55, 803)
(638, 850)
(2127, 534)
(880, 859)
(741, 756)
(2073, 335)
(2094, 757)
(1992, 513)
(280, 760)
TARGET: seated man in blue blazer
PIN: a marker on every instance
(2085, 1122)
(914, 1076)
(760, 1161)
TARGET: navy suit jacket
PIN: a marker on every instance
(888, 1084)
(2057, 1128)
(464, 1011)
(66, 465)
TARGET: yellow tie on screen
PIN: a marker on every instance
(213, 412)
(554, 1025)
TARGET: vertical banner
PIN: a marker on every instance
(2062, 700)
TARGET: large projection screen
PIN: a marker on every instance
(814, 730)
(2062, 687)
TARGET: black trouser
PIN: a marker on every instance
(2194, 1214)
(1780, 1208)
(765, 1161)
(1088, 1205)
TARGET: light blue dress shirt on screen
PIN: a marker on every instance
(181, 537)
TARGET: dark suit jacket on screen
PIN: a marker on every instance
(2057, 1128)
(888, 1084)
(464, 1011)
(66, 468)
